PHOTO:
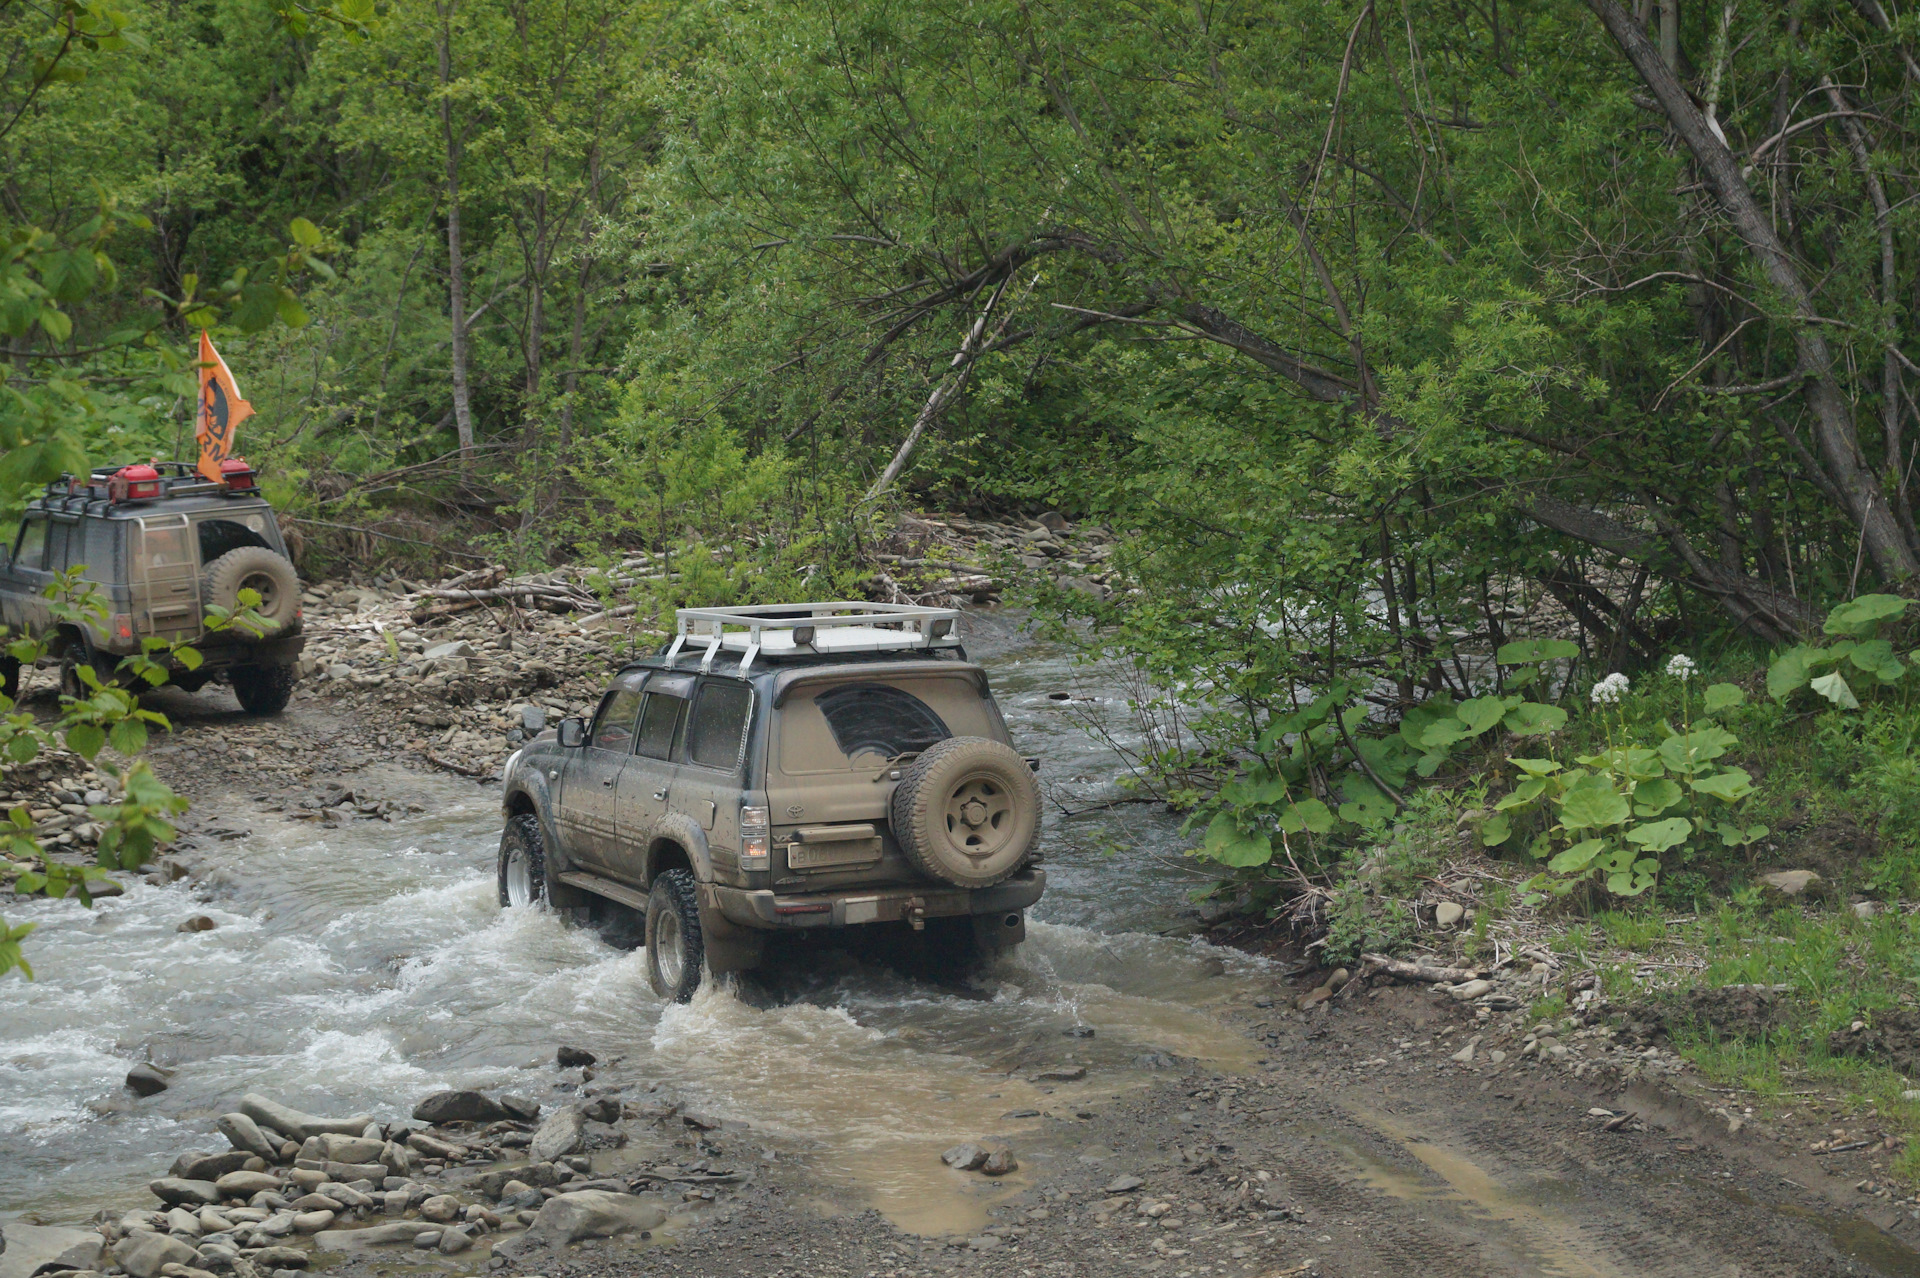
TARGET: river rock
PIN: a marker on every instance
(315, 1202)
(245, 1135)
(1449, 913)
(30, 1246)
(520, 1108)
(332, 1147)
(1124, 1184)
(574, 1057)
(196, 923)
(183, 1222)
(312, 1222)
(426, 1240)
(440, 1208)
(278, 1225)
(1467, 991)
(558, 1136)
(196, 1166)
(1063, 1074)
(999, 1161)
(595, 1213)
(147, 1080)
(1792, 885)
(966, 1157)
(458, 1107)
(281, 1258)
(458, 648)
(400, 1232)
(296, 1125)
(346, 1195)
(179, 1191)
(455, 1240)
(142, 1254)
(395, 1158)
(245, 1184)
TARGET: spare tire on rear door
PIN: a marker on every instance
(967, 811)
(265, 572)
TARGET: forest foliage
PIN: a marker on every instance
(1371, 326)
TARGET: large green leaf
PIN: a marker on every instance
(1309, 814)
(1788, 674)
(1445, 732)
(1723, 696)
(1689, 752)
(1534, 718)
(1577, 858)
(1732, 784)
(1536, 767)
(1226, 843)
(1481, 713)
(1526, 652)
(1834, 687)
(1658, 836)
(1524, 793)
(1592, 803)
(1863, 615)
(1651, 798)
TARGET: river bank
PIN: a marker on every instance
(356, 962)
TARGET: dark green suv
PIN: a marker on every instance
(806, 766)
(159, 544)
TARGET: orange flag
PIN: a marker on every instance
(221, 410)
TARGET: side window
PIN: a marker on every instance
(613, 725)
(659, 724)
(719, 724)
(59, 537)
(31, 550)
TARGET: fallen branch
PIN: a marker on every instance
(451, 766)
(1419, 971)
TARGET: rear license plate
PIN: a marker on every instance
(804, 856)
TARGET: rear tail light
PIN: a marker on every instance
(120, 625)
(753, 838)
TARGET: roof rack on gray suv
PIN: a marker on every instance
(813, 630)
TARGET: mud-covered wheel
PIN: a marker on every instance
(675, 949)
(264, 689)
(967, 812)
(267, 573)
(523, 863)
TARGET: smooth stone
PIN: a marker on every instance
(458, 648)
(214, 1222)
(595, 1213)
(455, 1240)
(1467, 991)
(395, 1158)
(1792, 885)
(179, 1191)
(30, 1246)
(245, 1134)
(142, 1255)
(280, 1258)
(400, 1231)
(1449, 913)
(245, 1184)
(332, 1147)
(440, 1208)
(1124, 1184)
(315, 1202)
(182, 1221)
(1065, 1074)
(312, 1222)
(573, 1057)
(560, 1135)
(209, 1166)
(148, 1080)
(520, 1108)
(1465, 1054)
(964, 1157)
(426, 1240)
(999, 1162)
(294, 1123)
(458, 1107)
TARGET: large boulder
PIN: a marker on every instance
(400, 1233)
(332, 1147)
(560, 1135)
(27, 1247)
(245, 1135)
(595, 1213)
(177, 1191)
(196, 1166)
(459, 1107)
(295, 1124)
(142, 1255)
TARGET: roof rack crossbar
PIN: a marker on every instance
(823, 628)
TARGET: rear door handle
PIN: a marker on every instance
(606, 780)
(660, 794)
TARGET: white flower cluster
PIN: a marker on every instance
(1610, 689)
(1680, 667)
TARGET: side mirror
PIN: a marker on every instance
(573, 733)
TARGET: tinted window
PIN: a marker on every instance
(658, 723)
(58, 535)
(876, 719)
(32, 550)
(613, 726)
(719, 724)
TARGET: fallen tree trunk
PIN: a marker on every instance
(1419, 971)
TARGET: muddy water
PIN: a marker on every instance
(360, 967)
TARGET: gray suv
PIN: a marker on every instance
(158, 544)
(780, 769)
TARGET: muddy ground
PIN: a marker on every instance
(1394, 1129)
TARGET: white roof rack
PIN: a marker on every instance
(826, 629)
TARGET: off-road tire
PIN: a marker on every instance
(521, 845)
(967, 812)
(676, 950)
(266, 572)
(10, 677)
(263, 690)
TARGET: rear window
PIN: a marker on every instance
(719, 724)
(860, 726)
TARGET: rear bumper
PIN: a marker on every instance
(773, 910)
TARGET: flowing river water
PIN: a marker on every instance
(354, 969)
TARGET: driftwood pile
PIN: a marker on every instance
(567, 590)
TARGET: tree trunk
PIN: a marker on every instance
(456, 263)
(1885, 542)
